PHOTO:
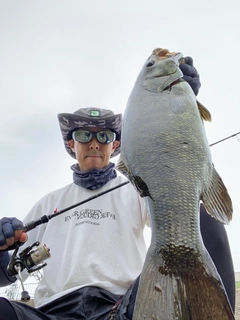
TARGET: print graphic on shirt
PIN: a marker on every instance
(91, 216)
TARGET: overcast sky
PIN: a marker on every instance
(59, 55)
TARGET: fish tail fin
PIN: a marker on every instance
(191, 292)
(217, 201)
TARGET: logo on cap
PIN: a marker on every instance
(95, 113)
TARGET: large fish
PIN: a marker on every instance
(166, 155)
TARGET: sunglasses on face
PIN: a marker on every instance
(84, 136)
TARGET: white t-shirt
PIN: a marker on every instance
(99, 243)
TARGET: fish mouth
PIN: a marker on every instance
(160, 76)
(161, 70)
(150, 64)
(158, 71)
(160, 54)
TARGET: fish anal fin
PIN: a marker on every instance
(204, 113)
(216, 199)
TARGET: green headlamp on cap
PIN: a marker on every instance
(94, 113)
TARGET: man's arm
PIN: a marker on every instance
(216, 242)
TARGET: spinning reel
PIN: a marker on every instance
(32, 258)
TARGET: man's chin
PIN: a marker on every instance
(94, 163)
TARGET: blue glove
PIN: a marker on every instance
(8, 226)
(190, 74)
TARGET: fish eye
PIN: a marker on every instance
(150, 63)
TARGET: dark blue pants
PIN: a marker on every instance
(90, 303)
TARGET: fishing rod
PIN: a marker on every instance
(233, 135)
(33, 257)
(44, 219)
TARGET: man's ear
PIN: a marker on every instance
(116, 143)
(71, 145)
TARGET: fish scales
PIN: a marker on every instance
(166, 155)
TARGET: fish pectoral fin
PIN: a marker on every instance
(137, 181)
(179, 100)
(217, 201)
(204, 113)
(141, 186)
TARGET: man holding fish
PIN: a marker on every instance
(98, 248)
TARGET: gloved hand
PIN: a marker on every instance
(11, 232)
(190, 74)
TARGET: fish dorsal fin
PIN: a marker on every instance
(204, 113)
(217, 201)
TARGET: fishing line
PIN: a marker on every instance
(233, 135)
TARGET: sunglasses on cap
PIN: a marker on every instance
(85, 136)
